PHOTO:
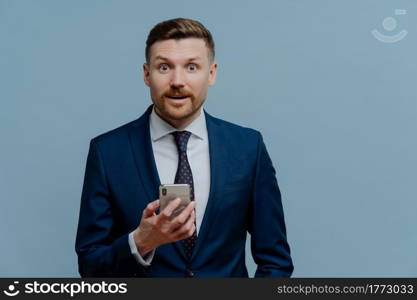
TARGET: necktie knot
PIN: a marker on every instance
(181, 138)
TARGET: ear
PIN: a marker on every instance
(213, 73)
(146, 74)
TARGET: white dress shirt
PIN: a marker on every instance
(166, 158)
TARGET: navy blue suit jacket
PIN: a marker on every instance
(121, 179)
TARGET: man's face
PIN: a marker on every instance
(178, 74)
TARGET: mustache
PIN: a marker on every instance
(178, 93)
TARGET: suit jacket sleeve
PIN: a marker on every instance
(100, 252)
(269, 245)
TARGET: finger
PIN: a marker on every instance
(168, 210)
(151, 208)
(186, 232)
(182, 231)
(187, 211)
(180, 220)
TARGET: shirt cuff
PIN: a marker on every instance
(144, 261)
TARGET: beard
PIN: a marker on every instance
(183, 110)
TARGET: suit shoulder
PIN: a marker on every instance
(118, 133)
(235, 129)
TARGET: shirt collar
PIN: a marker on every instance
(160, 128)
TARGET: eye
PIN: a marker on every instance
(192, 67)
(163, 67)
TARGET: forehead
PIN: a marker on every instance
(182, 49)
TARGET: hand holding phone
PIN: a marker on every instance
(169, 192)
(177, 223)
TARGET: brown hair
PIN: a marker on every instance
(179, 28)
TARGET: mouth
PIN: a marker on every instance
(176, 97)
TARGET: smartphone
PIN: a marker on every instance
(168, 192)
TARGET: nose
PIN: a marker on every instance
(178, 79)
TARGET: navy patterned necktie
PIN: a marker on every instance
(184, 175)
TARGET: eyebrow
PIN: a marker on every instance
(159, 57)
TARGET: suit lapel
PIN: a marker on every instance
(140, 140)
(216, 178)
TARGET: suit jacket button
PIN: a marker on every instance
(190, 273)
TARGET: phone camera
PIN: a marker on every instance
(164, 191)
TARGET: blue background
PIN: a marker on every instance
(337, 109)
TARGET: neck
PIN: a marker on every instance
(179, 124)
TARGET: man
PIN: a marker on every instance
(121, 231)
